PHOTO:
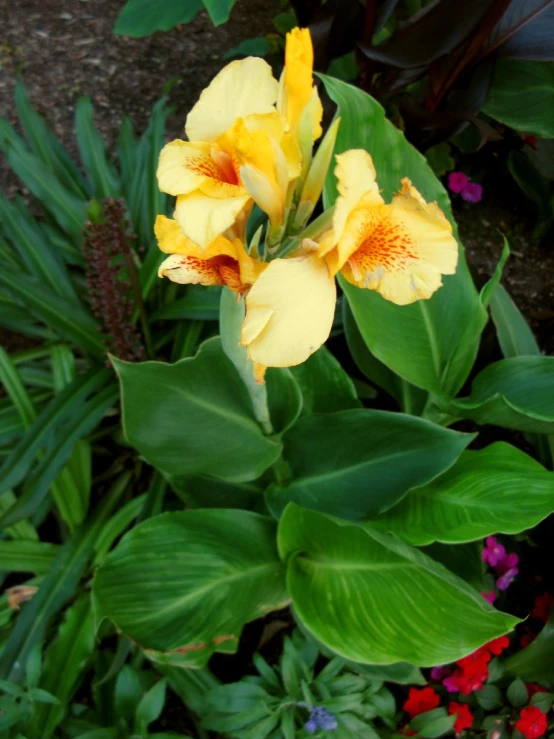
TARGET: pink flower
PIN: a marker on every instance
(437, 673)
(509, 562)
(472, 192)
(490, 596)
(493, 552)
(457, 181)
(505, 580)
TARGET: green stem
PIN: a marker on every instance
(135, 283)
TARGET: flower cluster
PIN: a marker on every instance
(532, 722)
(426, 699)
(460, 183)
(504, 564)
(250, 141)
(470, 673)
(320, 718)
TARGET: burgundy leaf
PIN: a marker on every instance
(534, 41)
(526, 23)
(434, 31)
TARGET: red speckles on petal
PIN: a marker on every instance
(386, 245)
(220, 270)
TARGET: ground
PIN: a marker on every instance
(66, 48)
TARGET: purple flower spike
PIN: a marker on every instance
(457, 181)
(472, 192)
(320, 718)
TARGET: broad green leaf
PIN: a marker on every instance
(431, 343)
(58, 586)
(64, 663)
(257, 46)
(24, 555)
(410, 398)
(219, 10)
(463, 560)
(356, 464)
(46, 146)
(150, 706)
(116, 526)
(324, 384)
(464, 503)
(517, 393)
(399, 672)
(62, 315)
(201, 414)
(16, 390)
(535, 662)
(530, 112)
(100, 171)
(371, 598)
(185, 583)
(143, 17)
(514, 335)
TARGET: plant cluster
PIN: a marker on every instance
(251, 468)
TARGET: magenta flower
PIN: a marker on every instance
(493, 552)
(490, 596)
(509, 562)
(452, 683)
(505, 580)
(437, 673)
(472, 192)
(457, 181)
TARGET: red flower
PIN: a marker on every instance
(532, 722)
(543, 607)
(497, 646)
(530, 139)
(464, 717)
(420, 701)
(528, 638)
(533, 688)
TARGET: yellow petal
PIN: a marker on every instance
(298, 80)
(265, 193)
(183, 167)
(222, 262)
(403, 248)
(203, 218)
(289, 311)
(241, 88)
(356, 181)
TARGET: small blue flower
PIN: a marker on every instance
(320, 718)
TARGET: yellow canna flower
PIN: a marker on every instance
(223, 262)
(298, 98)
(401, 249)
(239, 151)
(290, 303)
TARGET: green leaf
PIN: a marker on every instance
(67, 209)
(257, 46)
(324, 384)
(517, 693)
(58, 586)
(46, 146)
(128, 692)
(431, 724)
(219, 10)
(463, 560)
(514, 335)
(422, 342)
(463, 504)
(192, 686)
(535, 663)
(16, 390)
(33, 668)
(198, 304)
(517, 393)
(25, 555)
(100, 171)
(202, 415)
(531, 112)
(490, 287)
(374, 599)
(64, 316)
(43, 696)
(489, 697)
(440, 159)
(400, 672)
(543, 701)
(410, 398)
(372, 457)
(65, 661)
(150, 706)
(185, 583)
(203, 491)
(39, 482)
(143, 17)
